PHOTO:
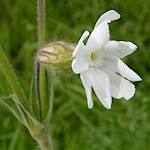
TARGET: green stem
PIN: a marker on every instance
(11, 77)
(43, 138)
(39, 103)
(41, 22)
(45, 143)
(41, 85)
(44, 146)
(51, 99)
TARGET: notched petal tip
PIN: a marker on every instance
(86, 34)
(138, 78)
(114, 13)
(131, 92)
(90, 106)
(108, 105)
(132, 46)
(110, 15)
(128, 98)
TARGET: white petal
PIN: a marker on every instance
(117, 65)
(109, 16)
(99, 37)
(85, 78)
(120, 49)
(115, 92)
(114, 88)
(79, 49)
(79, 65)
(123, 87)
(100, 84)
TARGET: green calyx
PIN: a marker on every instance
(57, 57)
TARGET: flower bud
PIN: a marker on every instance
(57, 56)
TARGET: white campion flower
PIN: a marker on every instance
(99, 64)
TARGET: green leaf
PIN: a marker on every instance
(17, 108)
(10, 75)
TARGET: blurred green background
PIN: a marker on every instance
(74, 127)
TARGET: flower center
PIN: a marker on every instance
(93, 56)
(96, 58)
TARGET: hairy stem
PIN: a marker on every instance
(39, 103)
(41, 22)
(40, 71)
(51, 98)
(43, 137)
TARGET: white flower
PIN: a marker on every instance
(99, 64)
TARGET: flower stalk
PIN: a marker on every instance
(42, 136)
(51, 99)
(40, 71)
